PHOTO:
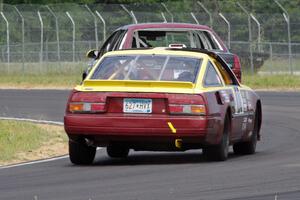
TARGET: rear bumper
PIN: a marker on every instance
(143, 127)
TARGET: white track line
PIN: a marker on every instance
(39, 161)
(33, 120)
(35, 162)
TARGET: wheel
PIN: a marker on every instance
(117, 151)
(80, 153)
(219, 152)
(249, 147)
(246, 148)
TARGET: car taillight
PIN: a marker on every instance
(83, 107)
(187, 109)
(237, 68)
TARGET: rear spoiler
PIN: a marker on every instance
(138, 84)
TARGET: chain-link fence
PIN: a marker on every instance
(61, 34)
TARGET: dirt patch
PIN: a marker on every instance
(56, 146)
(48, 150)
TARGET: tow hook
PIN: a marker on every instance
(178, 143)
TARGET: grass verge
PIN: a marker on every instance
(41, 75)
(272, 82)
(58, 81)
(24, 141)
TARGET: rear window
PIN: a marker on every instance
(160, 38)
(148, 67)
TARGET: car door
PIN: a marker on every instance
(218, 94)
(238, 102)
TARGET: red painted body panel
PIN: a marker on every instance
(155, 125)
(135, 124)
(101, 126)
(114, 125)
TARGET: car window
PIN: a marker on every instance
(148, 67)
(211, 77)
(225, 75)
(110, 43)
(211, 40)
(119, 38)
(159, 38)
(207, 44)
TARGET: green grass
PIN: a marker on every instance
(23, 137)
(40, 81)
(280, 64)
(272, 81)
(51, 75)
(43, 68)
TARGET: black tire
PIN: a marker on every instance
(80, 153)
(117, 151)
(219, 152)
(249, 147)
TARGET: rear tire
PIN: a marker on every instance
(80, 153)
(219, 152)
(249, 147)
(117, 151)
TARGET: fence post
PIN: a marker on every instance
(287, 19)
(42, 36)
(23, 38)
(250, 37)
(104, 25)
(134, 18)
(7, 39)
(194, 17)
(228, 27)
(131, 14)
(73, 43)
(57, 32)
(271, 56)
(168, 11)
(95, 23)
(206, 10)
(172, 19)
(164, 17)
(258, 31)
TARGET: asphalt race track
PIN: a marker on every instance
(273, 173)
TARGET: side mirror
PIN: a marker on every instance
(84, 75)
(93, 54)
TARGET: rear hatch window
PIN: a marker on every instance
(190, 38)
(148, 67)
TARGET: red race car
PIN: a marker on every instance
(164, 34)
(162, 99)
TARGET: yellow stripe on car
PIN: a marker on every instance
(173, 129)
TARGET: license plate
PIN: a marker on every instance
(137, 105)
